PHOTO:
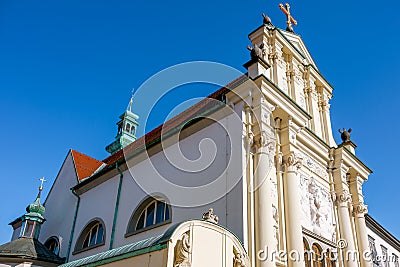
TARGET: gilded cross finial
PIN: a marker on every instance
(290, 19)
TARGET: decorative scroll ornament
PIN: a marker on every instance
(182, 251)
(343, 197)
(210, 216)
(360, 209)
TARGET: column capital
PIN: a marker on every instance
(292, 162)
(360, 209)
(343, 197)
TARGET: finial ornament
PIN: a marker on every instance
(131, 101)
(42, 181)
(345, 134)
(290, 19)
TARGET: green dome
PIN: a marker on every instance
(36, 207)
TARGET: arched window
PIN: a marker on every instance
(150, 213)
(92, 236)
(307, 253)
(318, 257)
(53, 245)
(128, 128)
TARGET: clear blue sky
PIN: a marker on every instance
(67, 69)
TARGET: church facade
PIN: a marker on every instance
(291, 195)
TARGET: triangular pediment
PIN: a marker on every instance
(299, 45)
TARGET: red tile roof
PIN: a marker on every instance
(84, 165)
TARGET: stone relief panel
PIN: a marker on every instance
(317, 208)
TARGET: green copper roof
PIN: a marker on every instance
(36, 207)
(127, 251)
(131, 250)
(28, 248)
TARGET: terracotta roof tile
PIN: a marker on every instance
(85, 166)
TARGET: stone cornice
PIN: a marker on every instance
(378, 229)
(355, 163)
(319, 238)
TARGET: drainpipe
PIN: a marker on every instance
(73, 225)
(116, 206)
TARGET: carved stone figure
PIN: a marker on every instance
(209, 216)
(345, 134)
(267, 20)
(317, 207)
(257, 52)
(239, 260)
(182, 252)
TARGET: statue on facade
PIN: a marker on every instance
(267, 20)
(257, 52)
(345, 134)
(210, 216)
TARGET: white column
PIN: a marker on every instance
(264, 168)
(362, 235)
(294, 233)
(346, 242)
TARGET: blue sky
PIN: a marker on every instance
(67, 69)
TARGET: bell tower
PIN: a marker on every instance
(127, 126)
(28, 225)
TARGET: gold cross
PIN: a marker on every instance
(290, 19)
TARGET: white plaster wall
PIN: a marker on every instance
(60, 206)
(99, 202)
(229, 207)
(380, 242)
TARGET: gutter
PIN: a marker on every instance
(121, 175)
(73, 225)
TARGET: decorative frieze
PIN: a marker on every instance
(314, 166)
